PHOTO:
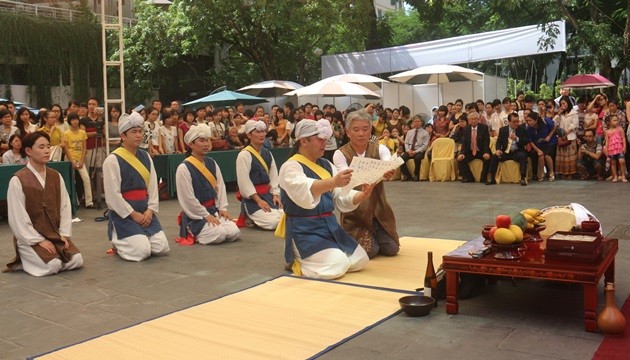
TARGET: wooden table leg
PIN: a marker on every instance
(609, 274)
(452, 285)
(590, 307)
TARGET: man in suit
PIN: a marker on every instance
(475, 145)
(511, 145)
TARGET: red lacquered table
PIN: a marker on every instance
(533, 265)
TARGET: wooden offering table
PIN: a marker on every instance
(533, 265)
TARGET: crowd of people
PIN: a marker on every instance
(564, 136)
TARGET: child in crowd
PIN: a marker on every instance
(168, 134)
(615, 149)
(391, 144)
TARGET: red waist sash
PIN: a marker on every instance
(135, 194)
(261, 189)
(208, 203)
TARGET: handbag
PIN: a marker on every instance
(563, 141)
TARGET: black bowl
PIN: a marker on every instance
(416, 305)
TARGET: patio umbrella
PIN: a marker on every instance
(371, 82)
(437, 74)
(270, 88)
(587, 81)
(324, 88)
(226, 98)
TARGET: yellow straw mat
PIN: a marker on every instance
(404, 271)
(286, 318)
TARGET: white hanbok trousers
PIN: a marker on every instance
(331, 263)
(266, 220)
(34, 265)
(140, 247)
(227, 231)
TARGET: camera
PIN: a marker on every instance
(100, 128)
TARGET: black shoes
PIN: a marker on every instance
(491, 182)
(464, 180)
(523, 182)
(416, 179)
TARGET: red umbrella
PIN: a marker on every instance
(587, 81)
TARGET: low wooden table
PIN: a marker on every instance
(532, 265)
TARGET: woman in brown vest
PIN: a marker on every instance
(372, 224)
(40, 214)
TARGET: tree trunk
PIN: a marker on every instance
(626, 36)
(371, 41)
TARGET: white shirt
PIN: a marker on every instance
(186, 193)
(20, 221)
(111, 184)
(169, 138)
(340, 160)
(244, 166)
(298, 187)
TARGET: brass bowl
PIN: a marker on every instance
(416, 305)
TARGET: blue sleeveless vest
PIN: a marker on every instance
(131, 180)
(258, 175)
(310, 231)
(203, 192)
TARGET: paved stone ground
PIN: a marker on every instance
(522, 320)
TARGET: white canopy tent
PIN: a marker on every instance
(508, 43)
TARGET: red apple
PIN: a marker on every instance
(503, 221)
(492, 230)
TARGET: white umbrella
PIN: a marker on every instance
(437, 74)
(270, 88)
(369, 81)
(324, 88)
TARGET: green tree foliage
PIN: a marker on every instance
(47, 50)
(599, 29)
(247, 40)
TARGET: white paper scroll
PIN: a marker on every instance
(369, 171)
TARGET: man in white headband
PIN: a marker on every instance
(315, 245)
(201, 194)
(257, 177)
(134, 228)
(373, 223)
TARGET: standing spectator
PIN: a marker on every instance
(494, 121)
(112, 126)
(615, 150)
(457, 111)
(582, 102)
(93, 125)
(543, 140)
(590, 160)
(475, 145)
(566, 154)
(75, 153)
(168, 134)
(151, 133)
(182, 129)
(56, 109)
(217, 127)
(442, 126)
(395, 121)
